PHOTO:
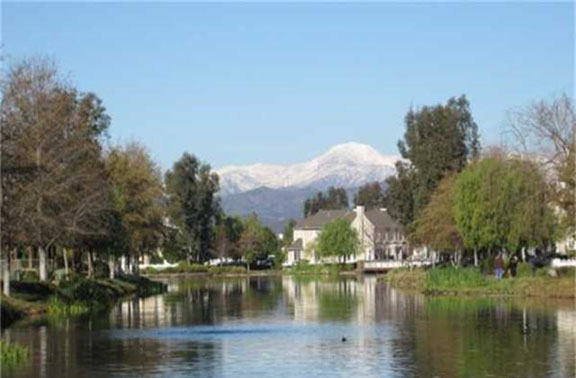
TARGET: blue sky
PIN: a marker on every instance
(281, 83)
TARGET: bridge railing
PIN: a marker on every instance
(395, 264)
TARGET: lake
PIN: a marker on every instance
(303, 327)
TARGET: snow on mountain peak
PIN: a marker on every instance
(348, 165)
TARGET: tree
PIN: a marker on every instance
(338, 239)
(547, 129)
(502, 202)
(400, 194)
(333, 199)
(227, 236)
(288, 233)
(435, 226)
(52, 138)
(257, 241)
(370, 196)
(138, 199)
(193, 207)
(438, 139)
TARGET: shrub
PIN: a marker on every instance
(29, 275)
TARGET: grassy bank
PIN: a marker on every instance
(74, 297)
(12, 354)
(469, 281)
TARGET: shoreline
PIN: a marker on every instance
(424, 282)
(31, 299)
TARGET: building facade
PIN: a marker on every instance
(380, 237)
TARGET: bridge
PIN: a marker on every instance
(386, 265)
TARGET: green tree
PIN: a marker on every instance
(288, 233)
(435, 226)
(502, 202)
(333, 199)
(400, 194)
(338, 239)
(138, 197)
(370, 196)
(438, 139)
(193, 207)
(257, 241)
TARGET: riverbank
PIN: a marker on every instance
(72, 297)
(202, 271)
(470, 281)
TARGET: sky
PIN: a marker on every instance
(240, 83)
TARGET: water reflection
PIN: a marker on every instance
(286, 326)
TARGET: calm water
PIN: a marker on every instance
(287, 327)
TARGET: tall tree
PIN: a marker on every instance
(400, 194)
(193, 207)
(338, 239)
(438, 139)
(52, 144)
(370, 196)
(138, 198)
(333, 199)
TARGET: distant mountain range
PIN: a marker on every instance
(277, 192)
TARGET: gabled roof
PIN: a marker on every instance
(296, 245)
(381, 219)
(321, 218)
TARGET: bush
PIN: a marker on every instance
(29, 275)
(87, 292)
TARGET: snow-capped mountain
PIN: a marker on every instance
(347, 165)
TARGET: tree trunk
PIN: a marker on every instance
(90, 265)
(475, 257)
(111, 266)
(42, 272)
(65, 255)
(6, 275)
(30, 257)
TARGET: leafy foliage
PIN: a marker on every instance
(193, 208)
(370, 196)
(502, 202)
(435, 226)
(438, 139)
(334, 199)
(137, 190)
(338, 239)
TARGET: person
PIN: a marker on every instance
(513, 265)
(498, 266)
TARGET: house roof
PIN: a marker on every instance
(321, 218)
(296, 245)
(381, 219)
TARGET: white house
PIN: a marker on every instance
(380, 236)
